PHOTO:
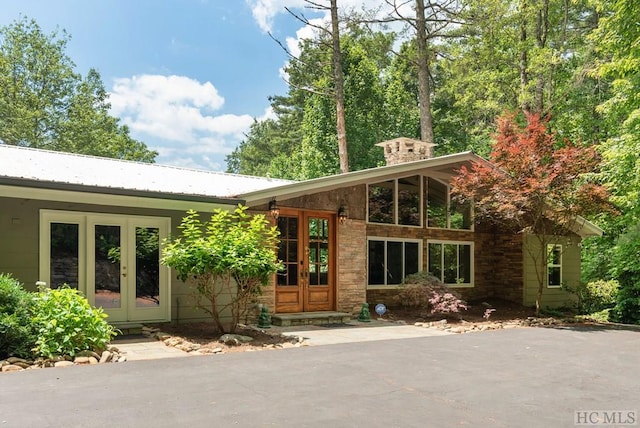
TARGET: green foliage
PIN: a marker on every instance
(66, 324)
(17, 336)
(626, 270)
(595, 296)
(44, 103)
(229, 257)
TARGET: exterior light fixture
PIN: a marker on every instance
(273, 209)
(343, 214)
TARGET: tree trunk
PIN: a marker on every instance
(341, 127)
(524, 77)
(424, 89)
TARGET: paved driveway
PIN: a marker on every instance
(508, 378)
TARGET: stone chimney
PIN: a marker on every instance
(401, 150)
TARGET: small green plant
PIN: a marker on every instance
(66, 324)
(423, 290)
(17, 337)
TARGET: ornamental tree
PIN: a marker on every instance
(226, 260)
(534, 185)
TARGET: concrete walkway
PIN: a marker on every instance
(144, 348)
(356, 331)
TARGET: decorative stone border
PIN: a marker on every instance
(15, 364)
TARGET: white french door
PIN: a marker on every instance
(113, 259)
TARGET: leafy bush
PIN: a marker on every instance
(423, 290)
(17, 336)
(596, 296)
(231, 255)
(626, 270)
(66, 324)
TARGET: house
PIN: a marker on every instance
(97, 225)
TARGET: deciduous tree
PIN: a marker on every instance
(534, 185)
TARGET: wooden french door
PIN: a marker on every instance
(307, 248)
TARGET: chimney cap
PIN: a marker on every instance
(405, 140)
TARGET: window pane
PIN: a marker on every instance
(436, 203)
(460, 216)
(381, 202)
(465, 264)
(554, 275)
(394, 262)
(147, 266)
(409, 201)
(64, 255)
(376, 262)
(107, 269)
(288, 250)
(450, 263)
(435, 260)
(411, 262)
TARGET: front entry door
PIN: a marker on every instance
(307, 248)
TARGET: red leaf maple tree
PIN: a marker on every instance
(535, 185)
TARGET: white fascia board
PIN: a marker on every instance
(109, 199)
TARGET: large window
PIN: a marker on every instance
(391, 260)
(554, 265)
(442, 210)
(396, 201)
(451, 262)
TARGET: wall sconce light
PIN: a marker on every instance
(343, 214)
(274, 211)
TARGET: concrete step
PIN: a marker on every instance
(128, 328)
(310, 318)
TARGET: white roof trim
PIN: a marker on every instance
(300, 188)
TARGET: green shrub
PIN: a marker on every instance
(626, 269)
(66, 324)
(17, 336)
(596, 296)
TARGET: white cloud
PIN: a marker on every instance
(179, 115)
(265, 10)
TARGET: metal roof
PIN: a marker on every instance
(40, 167)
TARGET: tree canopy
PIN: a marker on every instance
(45, 103)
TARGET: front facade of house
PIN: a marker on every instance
(98, 224)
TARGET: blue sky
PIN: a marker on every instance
(187, 76)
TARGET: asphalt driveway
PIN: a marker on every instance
(530, 377)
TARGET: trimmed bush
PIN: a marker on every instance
(423, 290)
(17, 336)
(66, 324)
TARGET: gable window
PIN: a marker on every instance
(554, 265)
(442, 211)
(451, 262)
(391, 260)
(396, 201)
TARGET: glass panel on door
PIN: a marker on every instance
(107, 266)
(147, 267)
(318, 251)
(64, 254)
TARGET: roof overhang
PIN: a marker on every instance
(441, 167)
(107, 196)
(585, 229)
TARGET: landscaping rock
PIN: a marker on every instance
(13, 360)
(63, 363)
(234, 339)
(81, 360)
(88, 354)
(11, 368)
(105, 357)
(22, 365)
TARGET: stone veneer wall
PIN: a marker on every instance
(352, 266)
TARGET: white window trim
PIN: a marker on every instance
(550, 248)
(385, 240)
(471, 261)
(395, 202)
(426, 202)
